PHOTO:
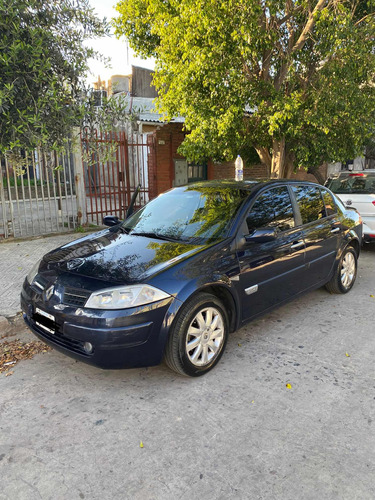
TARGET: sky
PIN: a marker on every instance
(121, 57)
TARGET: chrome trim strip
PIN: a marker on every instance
(45, 327)
(251, 289)
(36, 283)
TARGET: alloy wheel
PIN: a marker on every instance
(205, 336)
(347, 269)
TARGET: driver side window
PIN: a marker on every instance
(273, 208)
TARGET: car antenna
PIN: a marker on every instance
(132, 201)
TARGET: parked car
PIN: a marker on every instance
(357, 189)
(196, 263)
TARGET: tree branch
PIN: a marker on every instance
(288, 16)
(309, 26)
(363, 18)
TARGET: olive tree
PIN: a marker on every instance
(43, 61)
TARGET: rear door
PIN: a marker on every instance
(321, 228)
(270, 272)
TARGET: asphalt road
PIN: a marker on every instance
(70, 431)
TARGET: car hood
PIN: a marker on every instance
(118, 257)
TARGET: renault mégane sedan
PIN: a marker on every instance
(194, 264)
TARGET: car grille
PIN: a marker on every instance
(57, 337)
(75, 297)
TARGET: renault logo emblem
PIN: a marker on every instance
(49, 292)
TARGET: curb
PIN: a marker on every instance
(8, 324)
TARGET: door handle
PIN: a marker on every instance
(335, 230)
(297, 244)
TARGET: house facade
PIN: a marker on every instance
(167, 168)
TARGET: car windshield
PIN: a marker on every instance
(203, 214)
(363, 183)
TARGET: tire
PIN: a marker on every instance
(198, 336)
(343, 279)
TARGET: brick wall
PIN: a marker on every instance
(225, 170)
(302, 175)
(168, 139)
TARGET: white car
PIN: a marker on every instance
(357, 189)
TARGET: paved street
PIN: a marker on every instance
(16, 259)
(71, 431)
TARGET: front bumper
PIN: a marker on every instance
(119, 338)
(368, 230)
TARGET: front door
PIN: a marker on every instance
(271, 272)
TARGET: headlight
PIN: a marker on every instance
(125, 296)
(33, 271)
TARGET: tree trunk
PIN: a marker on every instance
(315, 172)
(265, 158)
(288, 165)
(278, 158)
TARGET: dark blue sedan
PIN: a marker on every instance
(173, 279)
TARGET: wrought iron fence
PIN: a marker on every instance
(44, 192)
(114, 164)
(37, 194)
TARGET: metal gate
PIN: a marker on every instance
(43, 192)
(114, 165)
(37, 193)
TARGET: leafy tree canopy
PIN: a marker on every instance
(303, 69)
(43, 57)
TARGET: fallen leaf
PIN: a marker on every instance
(141, 444)
(288, 386)
(239, 345)
(347, 355)
(14, 351)
(253, 401)
(372, 296)
(9, 373)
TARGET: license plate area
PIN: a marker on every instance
(44, 320)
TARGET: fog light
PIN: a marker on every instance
(88, 347)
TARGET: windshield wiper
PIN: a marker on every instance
(155, 235)
(120, 229)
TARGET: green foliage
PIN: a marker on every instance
(102, 121)
(305, 68)
(43, 57)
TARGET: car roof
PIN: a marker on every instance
(248, 185)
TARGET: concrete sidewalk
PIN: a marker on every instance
(16, 259)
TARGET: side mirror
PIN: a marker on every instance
(111, 220)
(262, 235)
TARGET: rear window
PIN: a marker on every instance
(329, 202)
(352, 183)
(310, 203)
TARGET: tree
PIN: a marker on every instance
(302, 70)
(43, 60)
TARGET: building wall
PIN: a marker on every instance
(167, 140)
(226, 170)
(142, 82)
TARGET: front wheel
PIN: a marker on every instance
(343, 279)
(198, 337)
